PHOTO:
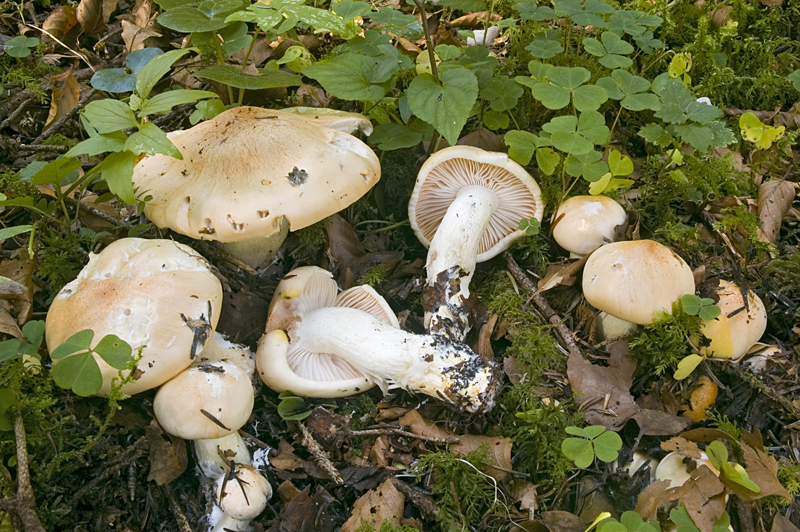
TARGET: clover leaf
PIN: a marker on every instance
(756, 131)
(531, 10)
(20, 46)
(629, 522)
(577, 136)
(703, 307)
(631, 90)
(530, 226)
(503, 93)
(565, 84)
(611, 51)
(546, 45)
(522, 145)
(595, 441)
(618, 165)
(589, 165)
(77, 368)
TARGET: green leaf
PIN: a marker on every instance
(569, 77)
(593, 431)
(592, 125)
(547, 160)
(609, 525)
(464, 5)
(681, 517)
(594, 47)
(447, 106)
(579, 451)
(206, 110)
(34, 332)
(589, 97)
(10, 232)
(348, 9)
(552, 96)
(152, 73)
(107, 116)
(79, 373)
(80, 341)
(565, 138)
(619, 164)
(9, 349)
(164, 102)
(54, 172)
(394, 137)
(615, 61)
(348, 76)
(655, 134)
(640, 102)
(576, 431)
(613, 44)
(756, 131)
(7, 399)
(114, 141)
(709, 312)
(546, 45)
(691, 304)
(503, 92)
(394, 21)
(495, 120)
(607, 183)
(699, 137)
(150, 139)
(607, 446)
(114, 80)
(521, 145)
(531, 10)
(290, 408)
(189, 19)
(117, 171)
(794, 77)
(687, 365)
(115, 351)
(587, 165)
(230, 75)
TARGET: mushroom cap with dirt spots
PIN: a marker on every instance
(140, 290)
(248, 169)
(583, 223)
(636, 280)
(738, 327)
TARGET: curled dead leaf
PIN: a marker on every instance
(168, 457)
(60, 21)
(774, 199)
(66, 94)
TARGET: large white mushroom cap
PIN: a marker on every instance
(738, 327)
(139, 290)
(583, 223)
(636, 280)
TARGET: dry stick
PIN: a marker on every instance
(15, 113)
(387, 431)
(423, 502)
(552, 316)
(320, 455)
(177, 511)
(42, 147)
(24, 503)
(61, 121)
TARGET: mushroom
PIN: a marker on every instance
(466, 207)
(636, 280)
(240, 496)
(674, 468)
(249, 175)
(738, 327)
(157, 295)
(316, 349)
(584, 223)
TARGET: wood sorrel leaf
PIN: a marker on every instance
(447, 106)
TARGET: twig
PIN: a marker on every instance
(383, 431)
(320, 455)
(130, 455)
(426, 505)
(552, 316)
(56, 39)
(42, 147)
(24, 503)
(61, 121)
(15, 113)
(177, 511)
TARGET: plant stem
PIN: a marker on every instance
(221, 60)
(611, 131)
(428, 39)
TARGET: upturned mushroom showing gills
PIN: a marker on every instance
(158, 295)
(311, 343)
(466, 208)
(250, 175)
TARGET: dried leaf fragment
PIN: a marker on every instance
(774, 199)
(376, 506)
(66, 94)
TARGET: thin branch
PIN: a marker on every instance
(320, 455)
(24, 501)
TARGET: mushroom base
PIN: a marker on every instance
(257, 252)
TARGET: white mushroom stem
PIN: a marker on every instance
(257, 252)
(391, 357)
(214, 455)
(452, 258)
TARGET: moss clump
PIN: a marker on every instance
(386, 526)
(687, 239)
(744, 225)
(785, 273)
(374, 276)
(313, 236)
(62, 256)
(462, 492)
(14, 186)
(362, 411)
(663, 344)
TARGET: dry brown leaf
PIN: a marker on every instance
(286, 458)
(135, 36)
(474, 20)
(560, 521)
(682, 446)
(8, 325)
(526, 495)
(703, 495)
(781, 523)
(720, 15)
(761, 468)
(60, 21)
(19, 271)
(168, 457)
(774, 199)
(651, 498)
(376, 506)
(90, 16)
(66, 94)
(606, 396)
(485, 338)
(499, 447)
(561, 273)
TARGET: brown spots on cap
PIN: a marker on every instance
(208, 227)
(263, 214)
(237, 227)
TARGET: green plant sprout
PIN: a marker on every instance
(595, 441)
(629, 522)
(292, 407)
(531, 226)
(762, 135)
(20, 46)
(718, 455)
(702, 307)
(78, 371)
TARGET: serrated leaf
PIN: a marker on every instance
(164, 102)
(230, 75)
(699, 137)
(348, 76)
(107, 116)
(447, 106)
(607, 446)
(80, 341)
(579, 451)
(655, 134)
(78, 373)
(687, 365)
(150, 139)
(114, 351)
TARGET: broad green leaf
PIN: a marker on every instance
(394, 21)
(619, 164)
(756, 131)
(577, 431)
(495, 120)
(594, 47)
(150, 139)
(7, 399)
(155, 69)
(717, 453)
(447, 52)
(546, 45)
(681, 517)
(607, 446)
(9, 349)
(569, 77)
(613, 44)
(709, 312)
(290, 405)
(189, 19)
(655, 134)
(640, 102)
(78, 373)
(579, 451)
(607, 183)
(611, 526)
(687, 365)
(117, 171)
(34, 332)
(447, 106)
(592, 125)
(348, 76)
(794, 77)
(503, 92)
(721, 135)
(206, 110)
(394, 137)
(691, 304)
(623, 22)
(615, 61)
(699, 137)
(531, 10)
(552, 96)
(55, 171)
(230, 75)
(348, 9)
(265, 17)
(736, 473)
(593, 431)
(10, 232)
(114, 80)
(107, 116)
(589, 98)
(565, 139)
(80, 341)
(321, 20)
(468, 6)
(164, 102)
(539, 70)
(589, 165)
(114, 141)
(115, 351)
(547, 160)
(138, 59)
(521, 145)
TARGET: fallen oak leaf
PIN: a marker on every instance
(651, 499)
(561, 273)
(761, 468)
(703, 496)
(774, 199)
(682, 446)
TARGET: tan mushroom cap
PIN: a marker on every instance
(583, 223)
(451, 169)
(247, 169)
(138, 289)
(737, 328)
(634, 281)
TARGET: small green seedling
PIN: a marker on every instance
(78, 369)
(594, 441)
(761, 134)
(34, 332)
(20, 46)
(718, 455)
(629, 522)
(681, 517)
(292, 407)
(530, 226)
(703, 307)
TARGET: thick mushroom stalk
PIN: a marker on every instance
(452, 258)
(466, 207)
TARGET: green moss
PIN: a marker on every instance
(724, 424)
(785, 273)
(312, 236)
(462, 492)
(374, 276)
(362, 411)
(789, 477)
(62, 256)
(385, 527)
(687, 239)
(13, 186)
(744, 224)
(663, 344)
